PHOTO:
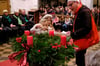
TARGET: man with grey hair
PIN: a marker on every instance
(84, 30)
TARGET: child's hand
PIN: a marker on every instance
(44, 28)
(38, 26)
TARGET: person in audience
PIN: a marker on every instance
(57, 11)
(24, 17)
(62, 18)
(96, 14)
(93, 12)
(66, 11)
(56, 22)
(6, 19)
(3, 35)
(67, 24)
(7, 24)
(98, 18)
(18, 22)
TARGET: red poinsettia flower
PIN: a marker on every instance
(19, 39)
(39, 50)
(51, 44)
(59, 46)
(65, 46)
(56, 43)
(54, 47)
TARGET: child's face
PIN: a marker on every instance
(49, 18)
(45, 23)
(49, 23)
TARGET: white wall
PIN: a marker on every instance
(88, 3)
(23, 4)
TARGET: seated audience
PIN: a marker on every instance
(67, 24)
(18, 22)
(3, 35)
(23, 16)
(56, 23)
(7, 24)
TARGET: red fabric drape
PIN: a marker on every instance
(90, 39)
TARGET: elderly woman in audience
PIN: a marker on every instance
(7, 24)
(18, 22)
(6, 19)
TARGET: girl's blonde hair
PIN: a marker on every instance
(42, 20)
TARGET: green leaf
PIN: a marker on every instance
(47, 56)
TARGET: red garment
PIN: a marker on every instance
(90, 39)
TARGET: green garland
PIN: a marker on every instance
(46, 50)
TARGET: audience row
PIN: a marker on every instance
(14, 24)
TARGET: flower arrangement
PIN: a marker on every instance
(45, 51)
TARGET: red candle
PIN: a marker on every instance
(30, 40)
(51, 33)
(27, 32)
(63, 40)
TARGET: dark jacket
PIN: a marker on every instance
(5, 21)
(24, 18)
(15, 21)
(82, 24)
(0, 23)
